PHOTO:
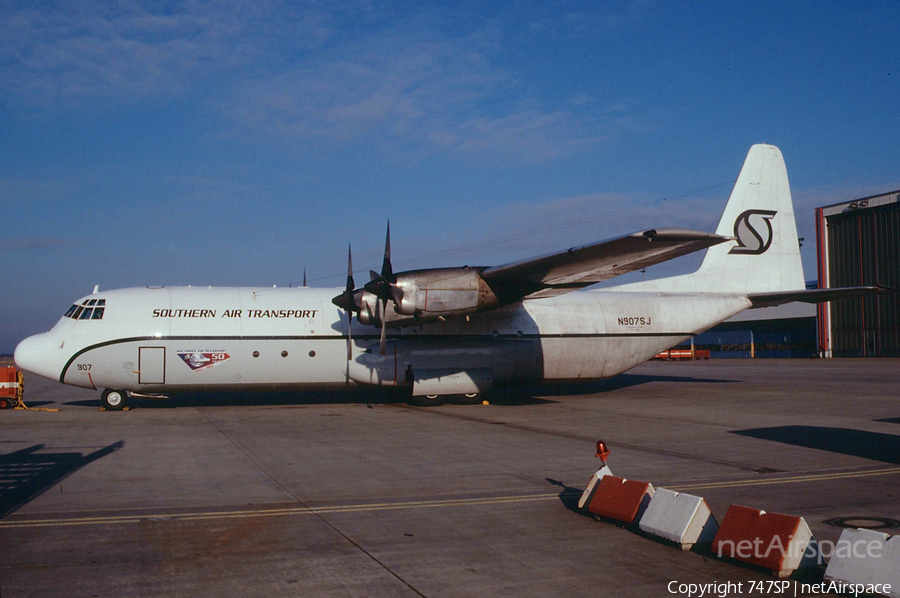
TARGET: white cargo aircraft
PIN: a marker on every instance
(440, 332)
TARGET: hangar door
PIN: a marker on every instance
(152, 365)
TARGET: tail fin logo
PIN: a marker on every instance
(753, 231)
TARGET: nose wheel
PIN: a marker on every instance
(114, 400)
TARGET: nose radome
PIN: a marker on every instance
(39, 355)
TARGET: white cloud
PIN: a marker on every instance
(73, 54)
(403, 81)
(421, 93)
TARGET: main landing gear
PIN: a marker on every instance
(114, 400)
(438, 400)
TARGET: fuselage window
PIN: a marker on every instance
(86, 314)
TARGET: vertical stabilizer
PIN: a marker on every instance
(765, 255)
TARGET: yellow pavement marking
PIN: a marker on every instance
(424, 504)
(790, 480)
(108, 520)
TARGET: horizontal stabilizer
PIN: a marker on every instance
(814, 295)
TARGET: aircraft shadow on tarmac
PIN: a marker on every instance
(890, 420)
(250, 399)
(617, 382)
(858, 443)
(28, 473)
(510, 396)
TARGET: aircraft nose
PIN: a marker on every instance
(39, 355)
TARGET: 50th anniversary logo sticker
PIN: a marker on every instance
(201, 360)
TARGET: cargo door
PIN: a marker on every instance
(152, 365)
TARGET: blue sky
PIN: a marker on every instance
(237, 143)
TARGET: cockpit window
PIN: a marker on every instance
(90, 309)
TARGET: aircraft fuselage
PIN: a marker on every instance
(176, 339)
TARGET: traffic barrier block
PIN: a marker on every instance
(621, 499)
(680, 518)
(863, 557)
(781, 543)
(592, 486)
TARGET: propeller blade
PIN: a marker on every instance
(382, 285)
(348, 300)
(350, 284)
(396, 293)
(383, 345)
(349, 335)
(349, 294)
(387, 271)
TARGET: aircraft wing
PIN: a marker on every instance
(578, 267)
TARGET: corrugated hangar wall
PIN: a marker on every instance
(858, 244)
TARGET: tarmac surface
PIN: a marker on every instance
(358, 494)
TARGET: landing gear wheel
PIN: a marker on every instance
(470, 398)
(114, 400)
(427, 401)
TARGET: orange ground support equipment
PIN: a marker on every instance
(11, 386)
(682, 355)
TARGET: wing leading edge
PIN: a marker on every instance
(579, 267)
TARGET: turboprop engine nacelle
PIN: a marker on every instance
(370, 312)
(442, 292)
(369, 309)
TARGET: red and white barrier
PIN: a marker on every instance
(782, 543)
(588, 493)
(680, 518)
(621, 499)
(866, 560)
